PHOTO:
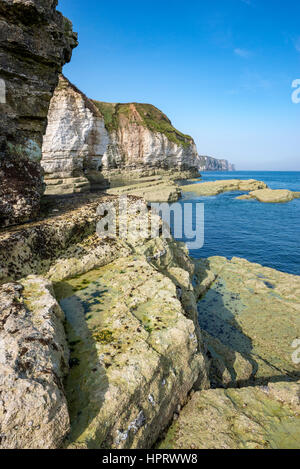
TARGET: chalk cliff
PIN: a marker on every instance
(208, 163)
(35, 41)
(91, 142)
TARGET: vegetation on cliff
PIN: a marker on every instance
(142, 114)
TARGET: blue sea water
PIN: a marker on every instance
(265, 233)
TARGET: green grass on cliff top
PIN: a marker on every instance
(150, 117)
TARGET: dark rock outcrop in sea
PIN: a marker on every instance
(35, 42)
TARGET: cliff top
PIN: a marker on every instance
(116, 114)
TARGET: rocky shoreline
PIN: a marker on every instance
(257, 190)
(107, 340)
(91, 307)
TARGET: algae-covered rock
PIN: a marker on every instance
(33, 362)
(271, 195)
(155, 189)
(63, 245)
(251, 316)
(217, 187)
(266, 417)
(135, 353)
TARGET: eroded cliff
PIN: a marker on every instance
(91, 143)
(208, 163)
(35, 42)
(135, 346)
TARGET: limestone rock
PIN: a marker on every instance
(135, 354)
(152, 189)
(144, 142)
(271, 195)
(112, 144)
(217, 187)
(33, 362)
(35, 42)
(251, 316)
(266, 417)
(135, 343)
(65, 244)
(75, 141)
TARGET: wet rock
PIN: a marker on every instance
(137, 350)
(249, 418)
(251, 316)
(152, 189)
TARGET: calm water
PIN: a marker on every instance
(265, 233)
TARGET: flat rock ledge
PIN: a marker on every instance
(135, 345)
(33, 363)
(249, 317)
(249, 418)
(218, 187)
(271, 195)
(152, 189)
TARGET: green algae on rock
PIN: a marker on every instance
(134, 353)
(34, 360)
(217, 187)
(135, 346)
(251, 316)
(271, 195)
(36, 41)
(152, 189)
(261, 417)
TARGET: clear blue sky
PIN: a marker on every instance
(221, 70)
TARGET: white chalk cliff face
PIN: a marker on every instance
(75, 140)
(89, 142)
(134, 147)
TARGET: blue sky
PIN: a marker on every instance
(221, 70)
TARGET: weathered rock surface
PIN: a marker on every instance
(208, 163)
(135, 343)
(75, 141)
(134, 352)
(33, 362)
(35, 42)
(144, 142)
(104, 143)
(266, 417)
(250, 315)
(218, 187)
(152, 189)
(271, 195)
(63, 245)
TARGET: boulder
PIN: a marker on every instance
(33, 362)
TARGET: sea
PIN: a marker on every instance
(265, 233)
